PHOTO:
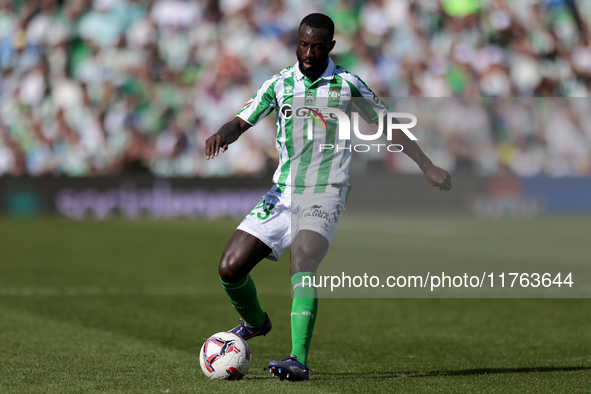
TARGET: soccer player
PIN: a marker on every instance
(306, 202)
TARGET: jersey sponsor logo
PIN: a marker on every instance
(312, 114)
(286, 111)
(288, 89)
(317, 116)
(302, 112)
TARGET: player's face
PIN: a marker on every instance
(314, 45)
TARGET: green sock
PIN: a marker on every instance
(243, 296)
(303, 316)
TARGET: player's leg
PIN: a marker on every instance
(242, 253)
(307, 252)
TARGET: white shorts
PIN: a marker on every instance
(277, 219)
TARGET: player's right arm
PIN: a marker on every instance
(259, 106)
(227, 134)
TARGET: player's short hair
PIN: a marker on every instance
(319, 21)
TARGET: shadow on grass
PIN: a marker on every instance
(463, 372)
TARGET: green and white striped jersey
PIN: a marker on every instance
(303, 166)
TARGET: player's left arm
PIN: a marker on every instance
(436, 176)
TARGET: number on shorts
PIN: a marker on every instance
(267, 210)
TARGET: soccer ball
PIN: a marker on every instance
(225, 356)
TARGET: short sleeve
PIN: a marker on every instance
(260, 105)
(372, 107)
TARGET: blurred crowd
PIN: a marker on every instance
(101, 87)
(523, 136)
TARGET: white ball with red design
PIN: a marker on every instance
(225, 356)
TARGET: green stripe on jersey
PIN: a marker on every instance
(264, 107)
(367, 109)
(334, 92)
(308, 148)
(288, 130)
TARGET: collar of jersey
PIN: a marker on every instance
(327, 74)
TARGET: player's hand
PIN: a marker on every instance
(213, 145)
(438, 177)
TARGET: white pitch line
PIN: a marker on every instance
(424, 232)
(99, 291)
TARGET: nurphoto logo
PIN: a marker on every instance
(319, 115)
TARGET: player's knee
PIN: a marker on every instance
(305, 261)
(306, 252)
(230, 268)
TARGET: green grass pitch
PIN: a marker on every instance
(124, 306)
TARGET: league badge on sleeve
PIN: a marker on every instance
(248, 103)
